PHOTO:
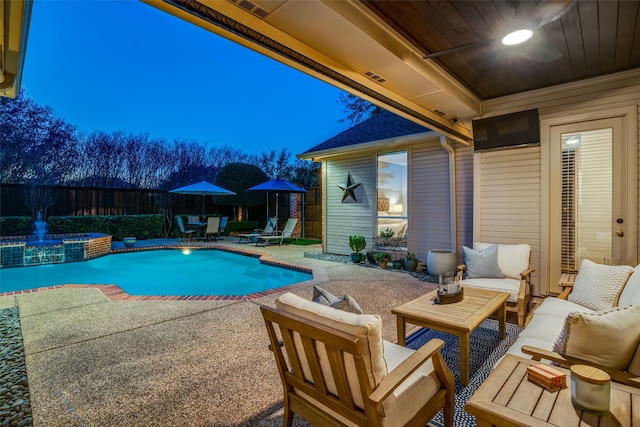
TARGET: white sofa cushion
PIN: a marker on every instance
(598, 286)
(512, 259)
(608, 337)
(559, 308)
(482, 263)
(367, 327)
(631, 291)
(511, 286)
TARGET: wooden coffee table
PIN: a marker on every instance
(506, 398)
(459, 319)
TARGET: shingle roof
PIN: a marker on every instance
(380, 126)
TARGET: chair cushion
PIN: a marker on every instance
(413, 393)
(631, 291)
(598, 286)
(512, 286)
(608, 337)
(512, 259)
(367, 327)
(559, 308)
(482, 263)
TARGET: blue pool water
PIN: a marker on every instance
(160, 272)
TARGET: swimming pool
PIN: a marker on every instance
(160, 272)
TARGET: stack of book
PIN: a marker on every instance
(547, 377)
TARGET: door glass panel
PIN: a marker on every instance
(587, 197)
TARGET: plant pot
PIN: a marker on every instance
(356, 258)
(370, 257)
(383, 264)
(410, 265)
(129, 242)
(397, 265)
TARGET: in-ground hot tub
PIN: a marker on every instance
(21, 251)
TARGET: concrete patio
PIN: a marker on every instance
(93, 361)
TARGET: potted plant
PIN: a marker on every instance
(397, 264)
(357, 243)
(386, 235)
(382, 258)
(410, 261)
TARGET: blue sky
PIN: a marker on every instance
(125, 65)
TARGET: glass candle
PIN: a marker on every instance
(590, 389)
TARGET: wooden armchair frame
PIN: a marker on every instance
(316, 404)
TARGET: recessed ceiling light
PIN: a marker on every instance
(517, 37)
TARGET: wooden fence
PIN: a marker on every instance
(89, 201)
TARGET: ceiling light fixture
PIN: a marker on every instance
(517, 37)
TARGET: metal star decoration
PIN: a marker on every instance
(349, 190)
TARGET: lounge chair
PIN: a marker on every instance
(223, 225)
(213, 228)
(339, 371)
(268, 230)
(278, 236)
(184, 234)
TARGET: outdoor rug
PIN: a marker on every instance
(486, 349)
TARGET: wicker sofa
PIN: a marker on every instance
(595, 321)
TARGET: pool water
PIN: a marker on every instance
(160, 272)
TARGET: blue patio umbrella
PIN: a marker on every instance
(278, 186)
(203, 188)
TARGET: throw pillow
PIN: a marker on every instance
(482, 263)
(345, 303)
(608, 338)
(598, 286)
(323, 296)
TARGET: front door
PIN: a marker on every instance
(593, 210)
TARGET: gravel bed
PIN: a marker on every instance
(346, 259)
(15, 403)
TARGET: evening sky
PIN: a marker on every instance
(125, 65)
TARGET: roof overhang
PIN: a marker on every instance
(344, 44)
(387, 145)
(15, 16)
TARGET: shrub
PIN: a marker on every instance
(357, 243)
(16, 226)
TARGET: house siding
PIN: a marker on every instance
(348, 218)
(430, 218)
(565, 101)
(464, 198)
(508, 188)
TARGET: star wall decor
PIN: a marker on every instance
(349, 190)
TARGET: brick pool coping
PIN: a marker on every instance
(116, 293)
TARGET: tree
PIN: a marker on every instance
(238, 177)
(356, 108)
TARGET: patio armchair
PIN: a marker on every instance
(184, 234)
(339, 371)
(503, 268)
(213, 228)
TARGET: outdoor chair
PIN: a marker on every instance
(268, 230)
(184, 234)
(213, 228)
(337, 369)
(502, 268)
(223, 225)
(278, 236)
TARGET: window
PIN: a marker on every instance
(392, 198)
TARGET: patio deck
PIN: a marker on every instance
(94, 361)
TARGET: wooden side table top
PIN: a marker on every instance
(476, 306)
(507, 398)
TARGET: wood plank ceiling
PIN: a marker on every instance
(595, 37)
